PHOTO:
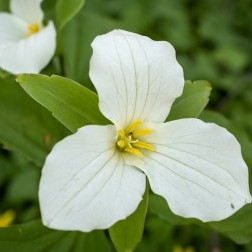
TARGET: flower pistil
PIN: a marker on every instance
(128, 140)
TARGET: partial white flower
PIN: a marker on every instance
(26, 46)
(97, 176)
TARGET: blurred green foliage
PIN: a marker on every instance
(213, 43)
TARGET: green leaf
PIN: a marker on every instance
(34, 237)
(72, 104)
(66, 10)
(193, 100)
(25, 126)
(126, 234)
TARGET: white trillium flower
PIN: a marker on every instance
(26, 46)
(97, 176)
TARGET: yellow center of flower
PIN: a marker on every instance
(32, 29)
(128, 139)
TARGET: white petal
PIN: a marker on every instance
(136, 77)
(11, 29)
(85, 183)
(28, 10)
(28, 55)
(198, 168)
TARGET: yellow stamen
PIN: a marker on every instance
(121, 144)
(32, 29)
(141, 132)
(7, 218)
(133, 126)
(143, 145)
(134, 151)
(121, 133)
(127, 140)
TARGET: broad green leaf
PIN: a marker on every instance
(66, 10)
(193, 100)
(26, 127)
(34, 237)
(72, 104)
(126, 234)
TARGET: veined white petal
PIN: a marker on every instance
(28, 10)
(86, 184)
(28, 55)
(11, 29)
(198, 168)
(136, 77)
